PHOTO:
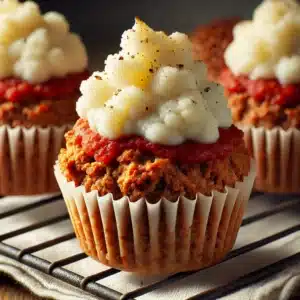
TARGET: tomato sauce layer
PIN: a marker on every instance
(262, 89)
(106, 151)
(18, 90)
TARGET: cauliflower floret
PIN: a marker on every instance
(32, 70)
(109, 122)
(122, 72)
(27, 18)
(75, 52)
(57, 26)
(37, 45)
(160, 133)
(57, 58)
(288, 70)
(170, 81)
(182, 49)
(95, 91)
(132, 101)
(16, 48)
(142, 39)
(243, 57)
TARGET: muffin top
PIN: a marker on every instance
(268, 46)
(153, 88)
(36, 47)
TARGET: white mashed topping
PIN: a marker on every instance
(269, 45)
(36, 47)
(154, 89)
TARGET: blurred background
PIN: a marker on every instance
(101, 22)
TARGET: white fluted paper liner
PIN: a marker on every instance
(27, 156)
(277, 155)
(160, 238)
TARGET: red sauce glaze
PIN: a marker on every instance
(262, 89)
(18, 90)
(106, 151)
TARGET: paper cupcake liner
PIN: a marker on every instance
(276, 152)
(27, 156)
(160, 238)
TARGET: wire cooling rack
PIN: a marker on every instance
(270, 223)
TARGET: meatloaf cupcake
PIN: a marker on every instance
(41, 67)
(210, 42)
(155, 177)
(262, 82)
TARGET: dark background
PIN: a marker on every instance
(101, 22)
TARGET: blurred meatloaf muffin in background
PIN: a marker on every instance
(262, 84)
(42, 64)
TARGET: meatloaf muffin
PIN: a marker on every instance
(210, 42)
(155, 176)
(262, 83)
(41, 67)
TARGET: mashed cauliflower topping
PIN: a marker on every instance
(154, 89)
(36, 47)
(269, 45)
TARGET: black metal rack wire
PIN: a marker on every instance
(89, 284)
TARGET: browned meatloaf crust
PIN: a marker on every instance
(248, 111)
(210, 42)
(41, 113)
(137, 175)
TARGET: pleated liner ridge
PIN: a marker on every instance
(160, 238)
(27, 156)
(277, 155)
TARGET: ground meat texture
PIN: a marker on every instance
(51, 103)
(210, 42)
(138, 175)
(54, 112)
(247, 110)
